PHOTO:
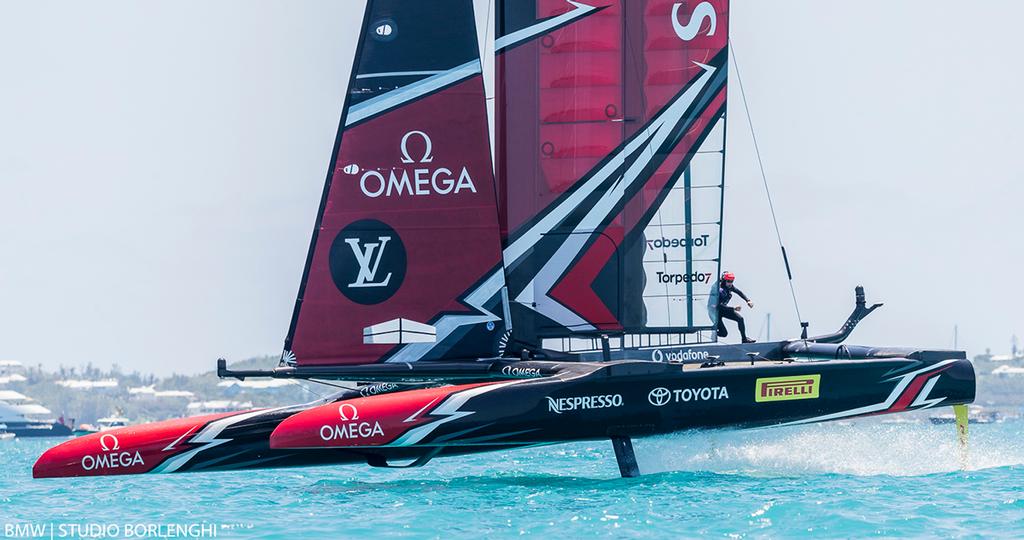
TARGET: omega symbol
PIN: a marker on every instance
(103, 443)
(428, 147)
(348, 412)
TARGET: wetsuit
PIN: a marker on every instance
(725, 290)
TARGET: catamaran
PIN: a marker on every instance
(532, 271)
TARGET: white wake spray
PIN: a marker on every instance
(863, 448)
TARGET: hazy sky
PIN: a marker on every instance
(161, 163)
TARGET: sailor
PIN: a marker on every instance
(726, 288)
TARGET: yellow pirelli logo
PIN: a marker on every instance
(787, 388)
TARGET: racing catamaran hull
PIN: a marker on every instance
(579, 401)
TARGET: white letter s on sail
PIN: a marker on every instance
(704, 10)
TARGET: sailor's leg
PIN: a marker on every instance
(731, 314)
(743, 326)
(722, 330)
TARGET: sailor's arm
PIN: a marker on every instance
(750, 302)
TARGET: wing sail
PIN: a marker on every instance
(405, 260)
(609, 162)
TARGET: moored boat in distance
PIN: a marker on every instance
(559, 286)
(84, 429)
(22, 416)
(112, 422)
(103, 424)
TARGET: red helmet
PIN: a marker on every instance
(728, 276)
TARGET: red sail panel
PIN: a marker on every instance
(406, 262)
(566, 128)
(599, 118)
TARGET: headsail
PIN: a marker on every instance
(609, 161)
(405, 259)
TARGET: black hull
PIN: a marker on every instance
(580, 401)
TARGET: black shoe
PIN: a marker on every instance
(748, 340)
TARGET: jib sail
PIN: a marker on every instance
(405, 259)
(609, 162)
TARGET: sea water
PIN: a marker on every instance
(829, 480)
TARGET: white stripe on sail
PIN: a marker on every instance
(542, 27)
(398, 74)
(398, 96)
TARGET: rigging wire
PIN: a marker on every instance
(764, 179)
(318, 395)
(325, 383)
(307, 389)
(486, 52)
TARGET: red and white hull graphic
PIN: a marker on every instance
(129, 450)
(402, 419)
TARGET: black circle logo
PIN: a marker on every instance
(368, 262)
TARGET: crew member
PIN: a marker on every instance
(726, 288)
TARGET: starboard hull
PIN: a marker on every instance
(582, 401)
